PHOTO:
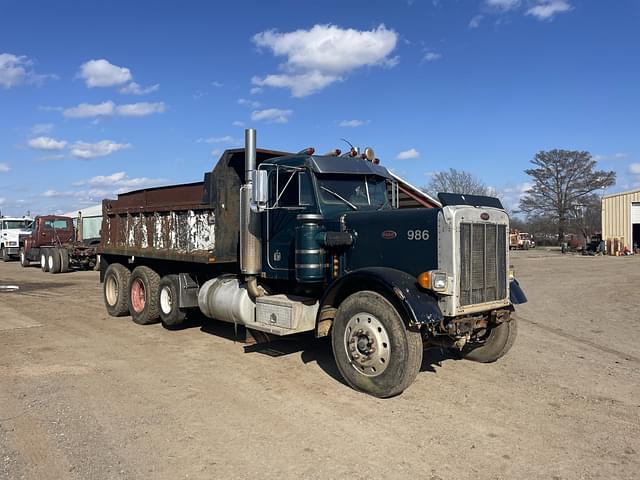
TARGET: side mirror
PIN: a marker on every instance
(260, 190)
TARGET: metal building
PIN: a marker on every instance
(621, 218)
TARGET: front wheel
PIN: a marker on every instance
(24, 261)
(495, 344)
(5, 256)
(374, 351)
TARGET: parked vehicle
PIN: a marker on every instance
(13, 231)
(289, 243)
(521, 240)
(53, 244)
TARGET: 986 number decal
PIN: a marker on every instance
(417, 234)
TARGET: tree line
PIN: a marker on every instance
(563, 195)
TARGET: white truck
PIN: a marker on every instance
(13, 231)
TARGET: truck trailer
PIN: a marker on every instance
(285, 243)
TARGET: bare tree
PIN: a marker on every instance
(562, 180)
(458, 181)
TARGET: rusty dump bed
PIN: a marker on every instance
(194, 222)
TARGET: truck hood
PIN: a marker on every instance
(406, 240)
(14, 233)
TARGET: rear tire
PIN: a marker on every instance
(53, 260)
(115, 290)
(4, 255)
(144, 285)
(498, 342)
(44, 255)
(24, 261)
(64, 260)
(367, 319)
(171, 314)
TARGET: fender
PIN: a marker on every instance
(516, 294)
(416, 307)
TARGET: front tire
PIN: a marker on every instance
(44, 256)
(374, 351)
(171, 314)
(497, 342)
(143, 295)
(115, 290)
(5, 256)
(24, 261)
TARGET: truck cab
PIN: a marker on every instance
(13, 231)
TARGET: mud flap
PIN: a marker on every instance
(516, 294)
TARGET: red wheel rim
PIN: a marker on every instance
(138, 297)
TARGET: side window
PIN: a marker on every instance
(284, 188)
(305, 189)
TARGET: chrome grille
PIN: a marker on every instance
(483, 263)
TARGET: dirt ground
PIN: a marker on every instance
(86, 396)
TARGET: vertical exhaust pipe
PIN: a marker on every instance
(250, 224)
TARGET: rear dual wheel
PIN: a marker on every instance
(115, 288)
(168, 301)
(144, 286)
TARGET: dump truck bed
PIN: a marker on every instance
(166, 223)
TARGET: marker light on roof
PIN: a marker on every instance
(369, 154)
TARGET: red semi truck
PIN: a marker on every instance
(53, 245)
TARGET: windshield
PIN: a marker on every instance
(57, 224)
(356, 191)
(11, 224)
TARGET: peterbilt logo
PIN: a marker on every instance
(389, 234)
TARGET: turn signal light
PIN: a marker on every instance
(424, 280)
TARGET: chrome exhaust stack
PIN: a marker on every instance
(250, 222)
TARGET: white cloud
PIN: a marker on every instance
(85, 110)
(119, 179)
(255, 90)
(248, 103)
(4, 167)
(351, 123)
(238, 123)
(215, 152)
(324, 54)
(634, 168)
(300, 85)
(140, 109)
(101, 73)
(42, 128)
(503, 5)
(475, 21)
(225, 139)
(271, 115)
(408, 154)
(16, 70)
(87, 151)
(546, 9)
(108, 108)
(432, 56)
(134, 88)
(615, 156)
(55, 156)
(216, 84)
(511, 194)
(47, 143)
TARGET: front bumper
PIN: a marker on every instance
(12, 250)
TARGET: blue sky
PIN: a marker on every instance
(102, 97)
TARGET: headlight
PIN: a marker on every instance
(434, 280)
(512, 272)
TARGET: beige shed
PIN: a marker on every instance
(621, 218)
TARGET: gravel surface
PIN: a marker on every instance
(87, 396)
